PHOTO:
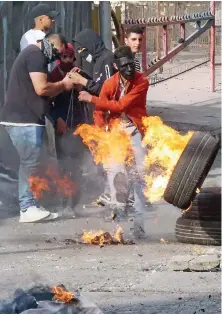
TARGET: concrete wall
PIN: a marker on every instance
(14, 22)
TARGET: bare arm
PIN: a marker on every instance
(43, 87)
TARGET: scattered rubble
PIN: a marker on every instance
(205, 263)
(202, 263)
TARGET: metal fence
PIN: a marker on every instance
(150, 9)
(14, 22)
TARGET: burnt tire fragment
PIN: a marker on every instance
(191, 169)
(198, 231)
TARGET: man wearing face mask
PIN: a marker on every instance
(124, 96)
(67, 113)
(90, 47)
(23, 116)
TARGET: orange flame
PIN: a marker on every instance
(62, 295)
(38, 186)
(106, 147)
(165, 148)
(101, 238)
(63, 185)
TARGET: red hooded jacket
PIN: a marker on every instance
(133, 103)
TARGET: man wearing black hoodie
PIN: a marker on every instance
(91, 48)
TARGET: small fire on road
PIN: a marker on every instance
(61, 294)
(103, 238)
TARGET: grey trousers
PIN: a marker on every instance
(137, 182)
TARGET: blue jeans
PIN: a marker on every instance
(28, 141)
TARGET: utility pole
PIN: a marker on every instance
(212, 47)
(158, 50)
(105, 23)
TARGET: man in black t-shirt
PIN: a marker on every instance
(23, 115)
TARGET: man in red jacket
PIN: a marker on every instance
(123, 96)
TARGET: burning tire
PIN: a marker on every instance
(191, 169)
(206, 205)
(198, 231)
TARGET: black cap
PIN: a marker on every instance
(43, 9)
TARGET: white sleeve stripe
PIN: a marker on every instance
(107, 71)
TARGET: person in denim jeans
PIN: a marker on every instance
(123, 96)
(28, 141)
(23, 115)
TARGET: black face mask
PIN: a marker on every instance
(126, 67)
(86, 55)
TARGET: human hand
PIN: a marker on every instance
(75, 69)
(85, 96)
(61, 126)
(76, 78)
(68, 84)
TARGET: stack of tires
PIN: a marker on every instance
(201, 224)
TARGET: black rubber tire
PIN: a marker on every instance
(206, 205)
(191, 169)
(198, 231)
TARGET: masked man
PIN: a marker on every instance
(90, 47)
(67, 113)
(23, 116)
(124, 96)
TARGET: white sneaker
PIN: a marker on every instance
(52, 216)
(33, 214)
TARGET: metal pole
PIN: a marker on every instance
(105, 23)
(158, 54)
(165, 40)
(182, 31)
(212, 47)
(143, 50)
(158, 31)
